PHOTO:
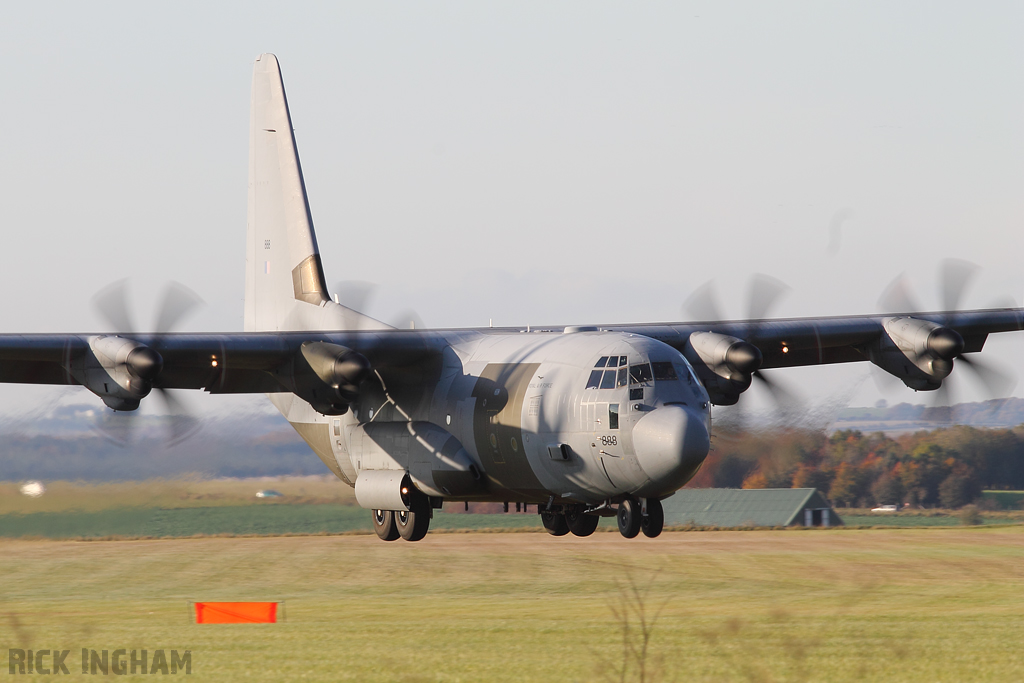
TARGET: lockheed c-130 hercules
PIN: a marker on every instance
(579, 421)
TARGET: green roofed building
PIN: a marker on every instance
(749, 507)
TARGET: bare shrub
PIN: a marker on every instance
(635, 618)
(970, 515)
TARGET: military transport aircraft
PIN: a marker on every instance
(579, 421)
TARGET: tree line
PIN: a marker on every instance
(942, 468)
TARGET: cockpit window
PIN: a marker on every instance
(640, 373)
(663, 371)
(602, 362)
(684, 372)
(608, 381)
(623, 379)
(622, 360)
(595, 379)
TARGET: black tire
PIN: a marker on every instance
(413, 525)
(629, 517)
(581, 524)
(654, 521)
(554, 523)
(384, 525)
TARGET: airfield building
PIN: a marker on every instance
(749, 507)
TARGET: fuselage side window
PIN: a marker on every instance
(638, 374)
(613, 416)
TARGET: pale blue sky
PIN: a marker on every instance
(534, 163)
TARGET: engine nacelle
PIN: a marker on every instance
(435, 460)
(120, 371)
(724, 364)
(919, 352)
(325, 375)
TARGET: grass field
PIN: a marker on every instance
(829, 605)
(238, 520)
(309, 505)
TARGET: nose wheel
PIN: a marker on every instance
(632, 519)
(654, 521)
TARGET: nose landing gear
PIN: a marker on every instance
(654, 521)
(636, 516)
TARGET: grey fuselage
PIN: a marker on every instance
(524, 417)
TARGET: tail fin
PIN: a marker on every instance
(284, 278)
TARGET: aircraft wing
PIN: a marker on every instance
(918, 348)
(791, 342)
(249, 362)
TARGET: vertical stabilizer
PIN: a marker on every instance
(284, 279)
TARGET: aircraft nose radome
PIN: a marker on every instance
(671, 443)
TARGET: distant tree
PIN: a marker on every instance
(959, 488)
(812, 478)
(731, 471)
(755, 480)
(887, 489)
(925, 469)
(847, 486)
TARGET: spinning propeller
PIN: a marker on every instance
(955, 275)
(765, 292)
(145, 363)
(357, 295)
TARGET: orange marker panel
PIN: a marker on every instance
(236, 612)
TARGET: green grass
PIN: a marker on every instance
(898, 520)
(184, 508)
(65, 496)
(1005, 500)
(825, 605)
(262, 520)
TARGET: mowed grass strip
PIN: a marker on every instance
(842, 605)
(276, 519)
(239, 520)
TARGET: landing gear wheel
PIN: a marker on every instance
(581, 524)
(384, 525)
(654, 521)
(629, 517)
(413, 525)
(554, 523)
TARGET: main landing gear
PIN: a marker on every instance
(572, 520)
(412, 525)
(634, 518)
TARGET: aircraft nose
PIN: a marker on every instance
(671, 442)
